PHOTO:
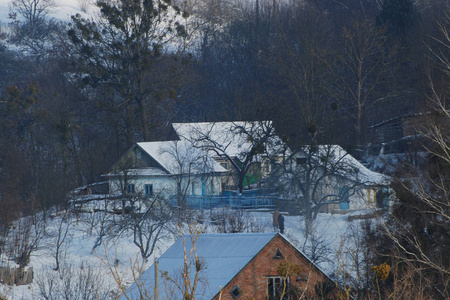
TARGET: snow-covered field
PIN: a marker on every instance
(78, 260)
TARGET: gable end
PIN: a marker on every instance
(136, 158)
(255, 277)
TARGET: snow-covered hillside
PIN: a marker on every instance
(79, 261)
(62, 10)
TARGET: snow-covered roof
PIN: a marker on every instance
(224, 255)
(345, 161)
(150, 171)
(180, 157)
(233, 138)
(404, 116)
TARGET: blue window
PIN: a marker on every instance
(130, 188)
(149, 189)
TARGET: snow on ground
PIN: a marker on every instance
(78, 255)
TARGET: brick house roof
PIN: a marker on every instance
(243, 260)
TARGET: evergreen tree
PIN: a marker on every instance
(124, 50)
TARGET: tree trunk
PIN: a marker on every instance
(144, 120)
(241, 176)
(358, 126)
(129, 125)
(308, 218)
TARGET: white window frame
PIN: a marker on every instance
(273, 294)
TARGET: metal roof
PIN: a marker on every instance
(224, 255)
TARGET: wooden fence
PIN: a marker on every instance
(16, 276)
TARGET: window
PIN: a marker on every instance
(130, 188)
(277, 287)
(301, 160)
(149, 189)
(278, 254)
(267, 165)
(371, 195)
(236, 292)
(193, 188)
(224, 165)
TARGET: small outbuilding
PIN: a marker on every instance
(235, 266)
(337, 182)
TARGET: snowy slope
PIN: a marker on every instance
(78, 256)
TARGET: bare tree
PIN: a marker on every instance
(83, 282)
(124, 185)
(297, 65)
(147, 227)
(33, 11)
(62, 231)
(318, 176)
(192, 266)
(179, 285)
(416, 231)
(240, 144)
(360, 70)
(25, 238)
(188, 164)
(429, 190)
(32, 28)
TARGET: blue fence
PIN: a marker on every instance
(235, 202)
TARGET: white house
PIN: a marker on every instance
(165, 169)
(201, 162)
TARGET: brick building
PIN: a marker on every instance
(238, 266)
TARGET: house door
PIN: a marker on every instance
(344, 195)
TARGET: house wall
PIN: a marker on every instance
(253, 279)
(258, 170)
(363, 197)
(165, 186)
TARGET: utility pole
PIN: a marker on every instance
(156, 279)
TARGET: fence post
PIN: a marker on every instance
(16, 276)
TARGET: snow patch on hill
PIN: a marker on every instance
(63, 10)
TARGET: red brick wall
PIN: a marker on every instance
(253, 278)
